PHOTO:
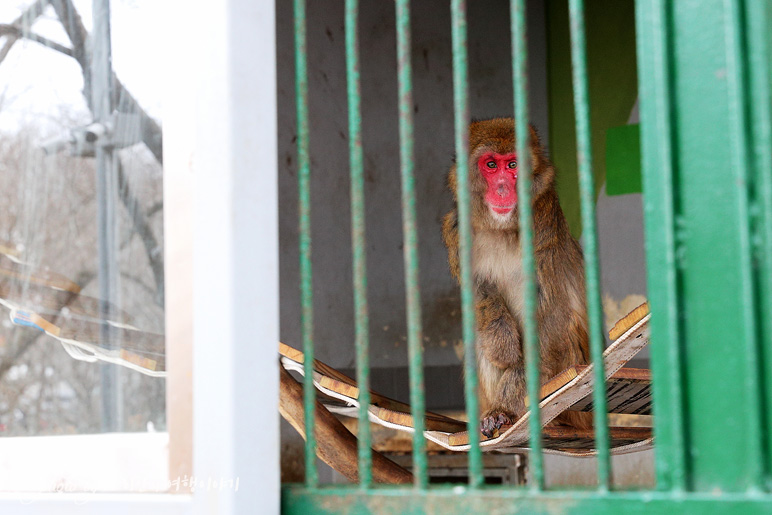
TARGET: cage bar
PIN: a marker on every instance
(757, 27)
(461, 116)
(304, 206)
(358, 242)
(654, 27)
(738, 86)
(524, 180)
(410, 232)
(587, 196)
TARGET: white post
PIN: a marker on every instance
(235, 258)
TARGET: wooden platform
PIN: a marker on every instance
(628, 392)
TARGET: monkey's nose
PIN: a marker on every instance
(502, 190)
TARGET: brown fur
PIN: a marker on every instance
(561, 310)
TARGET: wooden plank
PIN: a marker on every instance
(632, 318)
(567, 375)
(625, 395)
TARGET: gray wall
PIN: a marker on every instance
(491, 95)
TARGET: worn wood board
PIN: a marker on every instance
(569, 390)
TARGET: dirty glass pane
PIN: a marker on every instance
(81, 233)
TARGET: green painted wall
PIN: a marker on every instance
(623, 160)
(613, 88)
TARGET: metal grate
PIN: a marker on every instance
(709, 256)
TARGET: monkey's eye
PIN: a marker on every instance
(491, 164)
(512, 164)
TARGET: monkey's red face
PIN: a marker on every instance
(500, 174)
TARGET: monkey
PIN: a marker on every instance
(561, 312)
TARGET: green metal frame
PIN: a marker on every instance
(706, 143)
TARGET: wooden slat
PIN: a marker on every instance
(632, 318)
(629, 395)
(567, 375)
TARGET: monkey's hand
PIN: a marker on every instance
(492, 422)
(498, 334)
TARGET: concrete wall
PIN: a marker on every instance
(491, 95)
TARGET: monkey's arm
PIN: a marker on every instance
(450, 237)
(501, 367)
(562, 309)
(498, 333)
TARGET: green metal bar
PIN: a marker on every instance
(655, 78)
(461, 115)
(502, 501)
(592, 276)
(306, 282)
(758, 21)
(738, 85)
(410, 231)
(524, 180)
(358, 243)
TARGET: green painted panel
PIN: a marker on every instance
(613, 88)
(623, 160)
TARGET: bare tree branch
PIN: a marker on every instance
(79, 36)
(15, 33)
(158, 206)
(142, 228)
(7, 48)
(24, 22)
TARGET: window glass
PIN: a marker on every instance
(81, 234)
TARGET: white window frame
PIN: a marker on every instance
(221, 228)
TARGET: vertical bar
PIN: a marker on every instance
(235, 256)
(461, 115)
(409, 229)
(306, 279)
(654, 30)
(358, 242)
(587, 195)
(757, 16)
(737, 84)
(524, 180)
(107, 172)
